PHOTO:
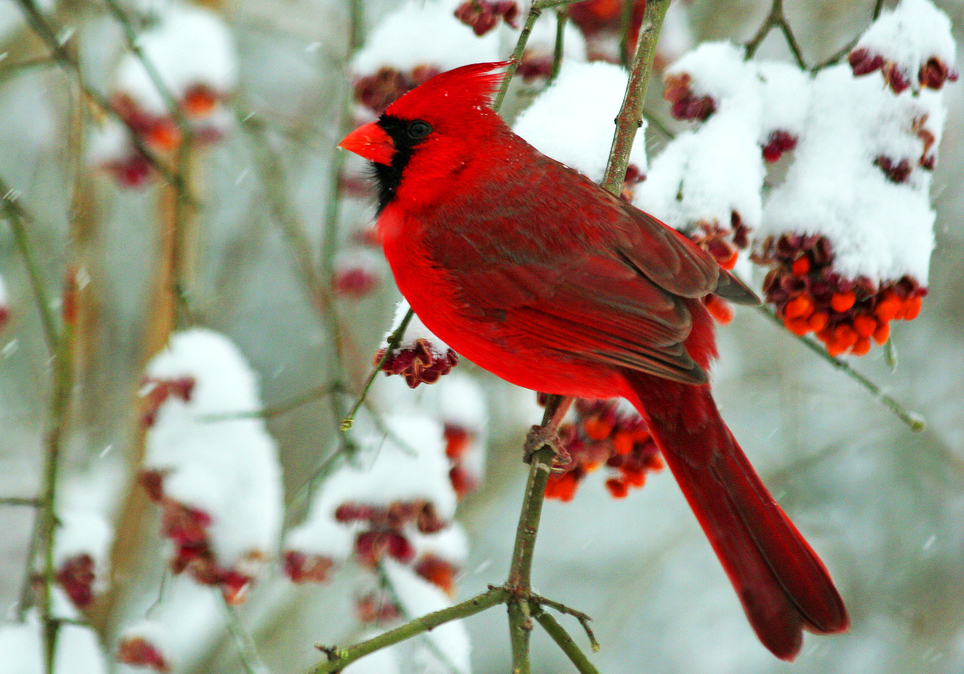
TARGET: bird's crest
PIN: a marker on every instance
(464, 89)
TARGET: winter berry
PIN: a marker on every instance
(419, 362)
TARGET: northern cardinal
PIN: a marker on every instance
(535, 273)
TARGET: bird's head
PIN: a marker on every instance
(428, 132)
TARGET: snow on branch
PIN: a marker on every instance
(218, 482)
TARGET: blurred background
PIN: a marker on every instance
(261, 257)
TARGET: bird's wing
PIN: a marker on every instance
(586, 276)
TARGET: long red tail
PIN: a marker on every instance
(782, 584)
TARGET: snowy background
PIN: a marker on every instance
(434, 490)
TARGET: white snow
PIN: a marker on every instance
(189, 46)
(393, 473)
(717, 69)
(416, 330)
(83, 532)
(423, 33)
(451, 544)
(706, 174)
(227, 468)
(572, 121)
(879, 229)
(909, 35)
(21, 649)
(323, 536)
(785, 90)
(418, 597)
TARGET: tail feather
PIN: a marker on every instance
(780, 580)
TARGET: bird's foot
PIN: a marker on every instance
(546, 436)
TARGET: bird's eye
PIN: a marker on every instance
(418, 129)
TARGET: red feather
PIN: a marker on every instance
(536, 274)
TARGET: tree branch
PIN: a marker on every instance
(631, 113)
(565, 642)
(339, 658)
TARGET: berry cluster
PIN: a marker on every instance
(459, 443)
(76, 576)
(157, 391)
(379, 90)
(160, 132)
(187, 528)
(139, 651)
(932, 73)
(483, 15)
(604, 432)
(420, 362)
(845, 314)
(686, 105)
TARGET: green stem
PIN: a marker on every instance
(247, 651)
(912, 419)
(339, 658)
(631, 113)
(520, 570)
(393, 343)
(565, 642)
(18, 217)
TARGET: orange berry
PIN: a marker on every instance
(841, 302)
(634, 476)
(596, 428)
(617, 488)
(846, 335)
(882, 333)
(623, 442)
(912, 307)
(798, 326)
(835, 348)
(800, 306)
(825, 335)
(887, 307)
(562, 487)
(591, 467)
(861, 347)
(199, 102)
(800, 266)
(865, 325)
(164, 136)
(818, 321)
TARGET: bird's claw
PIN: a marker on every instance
(546, 436)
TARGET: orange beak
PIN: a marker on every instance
(371, 142)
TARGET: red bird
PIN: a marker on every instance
(535, 273)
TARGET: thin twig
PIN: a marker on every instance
(20, 501)
(776, 19)
(912, 419)
(393, 341)
(583, 618)
(67, 61)
(18, 218)
(20, 67)
(562, 17)
(339, 658)
(565, 642)
(247, 650)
